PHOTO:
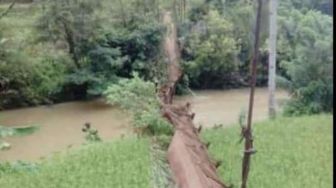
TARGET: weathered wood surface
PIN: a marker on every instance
(188, 157)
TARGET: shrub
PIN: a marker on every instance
(305, 53)
(210, 53)
(30, 81)
(119, 52)
(139, 97)
(315, 98)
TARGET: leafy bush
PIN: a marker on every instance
(119, 52)
(210, 52)
(29, 81)
(316, 97)
(139, 97)
(91, 134)
(30, 73)
(305, 53)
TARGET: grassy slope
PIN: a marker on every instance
(292, 153)
(124, 163)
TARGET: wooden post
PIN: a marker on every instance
(247, 131)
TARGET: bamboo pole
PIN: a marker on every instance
(247, 131)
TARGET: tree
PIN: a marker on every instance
(73, 22)
(210, 52)
(305, 53)
(272, 58)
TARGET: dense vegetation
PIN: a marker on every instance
(58, 50)
(138, 97)
(53, 51)
(292, 152)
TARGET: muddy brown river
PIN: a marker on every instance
(60, 124)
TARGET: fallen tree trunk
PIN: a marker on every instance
(187, 156)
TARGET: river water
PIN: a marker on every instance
(60, 124)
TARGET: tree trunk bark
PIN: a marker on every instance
(272, 58)
(187, 156)
(71, 42)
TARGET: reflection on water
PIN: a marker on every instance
(61, 124)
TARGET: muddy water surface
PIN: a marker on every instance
(223, 107)
(61, 124)
(60, 127)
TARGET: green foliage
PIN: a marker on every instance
(223, 30)
(29, 81)
(103, 50)
(291, 152)
(73, 49)
(139, 97)
(120, 163)
(52, 51)
(71, 22)
(30, 73)
(211, 52)
(316, 97)
(118, 52)
(325, 6)
(305, 53)
(91, 134)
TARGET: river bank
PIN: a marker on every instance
(61, 123)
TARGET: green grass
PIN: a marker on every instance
(118, 164)
(291, 153)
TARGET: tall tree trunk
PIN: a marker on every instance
(71, 42)
(272, 58)
(247, 131)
